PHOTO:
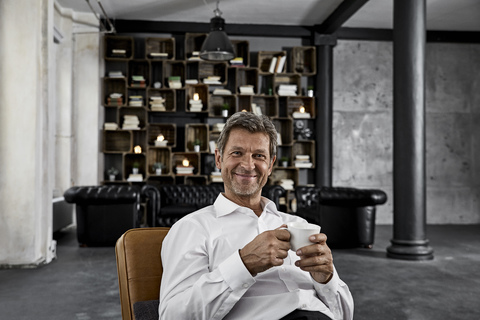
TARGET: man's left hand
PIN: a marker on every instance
(317, 259)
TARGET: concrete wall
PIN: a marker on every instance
(363, 122)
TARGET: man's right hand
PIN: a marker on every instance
(267, 250)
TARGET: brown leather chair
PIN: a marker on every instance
(139, 267)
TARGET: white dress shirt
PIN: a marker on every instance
(205, 278)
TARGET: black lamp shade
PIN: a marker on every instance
(217, 46)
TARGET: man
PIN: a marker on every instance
(231, 260)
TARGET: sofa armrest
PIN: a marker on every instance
(351, 197)
(95, 195)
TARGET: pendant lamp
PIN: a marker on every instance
(217, 46)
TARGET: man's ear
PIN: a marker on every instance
(218, 159)
(271, 165)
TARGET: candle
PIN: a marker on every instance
(302, 109)
(137, 149)
(196, 96)
(160, 142)
(185, 162)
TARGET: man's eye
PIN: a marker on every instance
(262, 156)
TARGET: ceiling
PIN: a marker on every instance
(445, 15)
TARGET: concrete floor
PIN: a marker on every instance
(81, 284)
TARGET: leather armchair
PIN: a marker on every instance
(346, 215)
(104, 213)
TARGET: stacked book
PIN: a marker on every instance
(246, 89)
(110, 126)
(256, 109)
(277, 64)
(216, 176)
(191, 81)
(115, 99)
(287, 184)
(222, 91)
(195, 56)
(138, 81)
(302, 161)
(119, 53)
(135, 101)
(175, 82)
(217, 127)
(158, 55)
(301, 114)
(135, 177)
(237, 62)
(157, 104)
(184, 171)
(212, 80)
(196, 105)
(287, 90)
(130, 122)
(116, 74)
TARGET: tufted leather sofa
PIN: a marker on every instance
(176, 201)
(346, 215)
(104, 213)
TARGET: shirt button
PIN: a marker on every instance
(304, 305)
(245, 285)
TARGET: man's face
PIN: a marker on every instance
(246, 163)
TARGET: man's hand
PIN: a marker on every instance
(317, 259)
(267, 250)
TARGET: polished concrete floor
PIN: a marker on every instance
(81, 284)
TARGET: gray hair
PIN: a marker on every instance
(252, 123)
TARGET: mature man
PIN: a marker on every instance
(230, 260)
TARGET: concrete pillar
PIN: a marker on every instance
(409, 187)
(26, 133)
(324, 106)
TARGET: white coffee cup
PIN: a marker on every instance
(300, 233)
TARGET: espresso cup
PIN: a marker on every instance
(300, 233)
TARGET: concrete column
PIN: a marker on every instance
(26, 133)
(324, 106)
(409, 188)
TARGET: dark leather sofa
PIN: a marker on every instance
(176, 201)
(104, 213)
(346, 215)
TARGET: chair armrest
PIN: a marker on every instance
(351, 197)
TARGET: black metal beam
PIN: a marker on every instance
(260, 30)
(343, 12)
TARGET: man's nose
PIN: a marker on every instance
(247, 162)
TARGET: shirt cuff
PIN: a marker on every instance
(235, 273)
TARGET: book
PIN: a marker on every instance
(280, 64)
(273, 64)
(135, 177)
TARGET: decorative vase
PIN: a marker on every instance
(284, 164)
(111, 177)
(158, 171)
(196, 148)
(134, 170)
(225, 113)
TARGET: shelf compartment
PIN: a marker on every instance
(268, 105)
(163, 155)
(138, 68)
(194, 132)
(114, 85)
(265, 58)
(117, 141)
(216, 103)
(247, 76)
(280, 173)
(128, 163)
(173, 69)
(294, 104)
(304, 60)
(201, 70)
(160, 45)
(193, 43)
(242, 49)
(192, 157)
(245, 103)
(168, 130)
(284, 127)
(304, 147)
(167, 94)
(156, 73)
(133, 111)
(202, 90)
(288, 79)
(118, 43)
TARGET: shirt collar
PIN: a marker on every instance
(224, 206)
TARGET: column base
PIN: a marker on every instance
(410, 250)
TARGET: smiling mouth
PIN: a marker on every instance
(245, 175)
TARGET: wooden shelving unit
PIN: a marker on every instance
(157, 62)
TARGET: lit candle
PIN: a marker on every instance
(161, 142)
(196, 96)
(137, 149)
(244, 110)
(302, 109)
(185, 162)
